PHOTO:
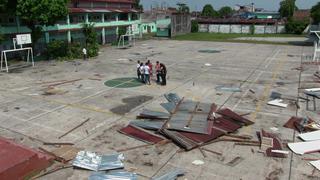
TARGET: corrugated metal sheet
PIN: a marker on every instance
(173, 97)
(179, 139)
(234, 116)
(141, 134)
(96, 162)
(114, 175)
(148, 114)
(148, 124)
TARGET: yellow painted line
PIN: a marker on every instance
(266, 92)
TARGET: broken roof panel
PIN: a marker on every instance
(185, 121)
(141, 134)
(234, 116)
(179, 139)
(172, 175)
(96, 162)
(113, 175)
(170, 106)
(173, 97)
(225, 125)
(203, 138)
(148, 124)
(148, 114)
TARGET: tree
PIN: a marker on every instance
(137, 5)
(91, 39)
(183, 8)
(8, 6)
(38, 13)
(225, 11)
(315, 13)
(208, 11)
(287, 8)
(296, 26)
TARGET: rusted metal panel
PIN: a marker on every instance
(179, 139)
(203, 138)
(225, 125)
(148, 114)
(18, 162)
(141, 134)
(234, 116)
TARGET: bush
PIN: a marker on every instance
(93, 49)
(57, 49)
(296, 27)
(194, 26)
(74, 51)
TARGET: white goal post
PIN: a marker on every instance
(316, 45)
(20, 39)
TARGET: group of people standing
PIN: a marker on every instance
(145, 72)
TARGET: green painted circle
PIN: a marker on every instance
(123, 82)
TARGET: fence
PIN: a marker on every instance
(242, 29)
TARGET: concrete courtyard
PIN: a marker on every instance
(30, 115)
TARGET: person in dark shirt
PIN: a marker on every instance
(163, 72)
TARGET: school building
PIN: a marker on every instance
(107, 15)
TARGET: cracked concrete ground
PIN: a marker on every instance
(31, 117)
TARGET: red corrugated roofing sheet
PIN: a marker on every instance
(18, 162)
(141, 134)
(234, 116)
(101, 10)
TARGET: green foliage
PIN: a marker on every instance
(122, 30)
(137, 5)
(63, 51)
(1, 38)
(3, 5)
(90, 34)
(57, 49)
(225, 11)
(296, 27)
(40, 12)
(194, 26)
(208, 11)
(287, 8)
(315, 13)
(183, 8)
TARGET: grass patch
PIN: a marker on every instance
(219, 37)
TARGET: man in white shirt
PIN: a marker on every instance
(147, 73)
(84, 52)
(142, 73)
(138, 70)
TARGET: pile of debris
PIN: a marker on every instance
(189, 124)
(309, 133)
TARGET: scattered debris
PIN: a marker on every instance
(274, 129)
(302, 124)
(209, 51)
(95, 79)
(305, 147)
(227, 88)
(207, 64)
(197, 162)
(63, 82)
(310, 136)
(191, 124)
(74, 128)
(141, 134)
(269, 142)
(316, 164)
(68, 153)
(115, 174)
(96, 162)
(235, 161)
(53, 91)
(57, 158)
(20, 162)
(172, 175)
(57, 143)
(252, 91)
(58, 168)
(277, 102)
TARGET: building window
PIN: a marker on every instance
(123, 17)
(145, 27)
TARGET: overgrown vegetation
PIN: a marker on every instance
(287, 8)
(90, 34)
(36, 14)
(295, 26)
(64, 51)
(315, 13)
(194, 26)
(1, 38)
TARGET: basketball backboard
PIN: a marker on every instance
(23, 39)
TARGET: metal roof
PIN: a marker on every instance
(101, 10)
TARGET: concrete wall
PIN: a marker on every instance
(241, 29)
(180, 24)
